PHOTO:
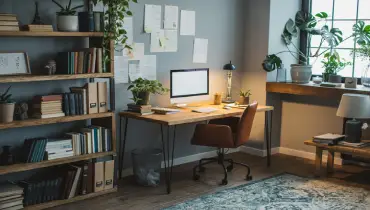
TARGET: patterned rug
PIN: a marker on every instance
(283, 192)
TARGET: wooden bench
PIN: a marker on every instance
(361, 152)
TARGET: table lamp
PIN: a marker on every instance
(354, 106)
(230, 68)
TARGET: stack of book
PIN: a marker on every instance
(355, 145)
(59, 148)
(11, 197)
(329, 139)
(141, 109)
(41, 190)
(86, 61)
(8, 22)
(38, 28)
(48, 106)
(34, 150)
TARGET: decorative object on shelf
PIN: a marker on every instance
(244, 97)
(333, 64)
(21, 111)
(317, 80)
(6, 107)
(281, 74)
(14, 63)
(354, 107)
(142, 88)
(67, 20)
(363, 53)
(37, 18)
(6, 157)
(51, 67)
(98, 21)
(300, 73)
(229, 68)
(350, 82)
(217, 99)
(9, 22)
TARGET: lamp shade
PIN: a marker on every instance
(355, 106)
(229, 67)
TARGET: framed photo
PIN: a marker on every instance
(14, 63)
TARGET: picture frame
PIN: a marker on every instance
(14, 63)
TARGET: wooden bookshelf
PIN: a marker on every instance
(77, 198)
(30, 166)
(39, 78)
(36, 122)
(49, 34)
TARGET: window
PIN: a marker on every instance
(343, 15)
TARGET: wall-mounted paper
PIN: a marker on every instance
(120, 69)
(157, 41)
(187, 26)
(200, 50)
(134, 71)
(171, 17)
(148, 67)
(137, 52)
(128, 25)
(152, 18)
(171, 40)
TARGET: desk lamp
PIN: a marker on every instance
(230, 68)
(354, 106)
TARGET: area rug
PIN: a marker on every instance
(284, 191)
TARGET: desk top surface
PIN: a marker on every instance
(186, 115)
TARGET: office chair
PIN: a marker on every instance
(226, 133)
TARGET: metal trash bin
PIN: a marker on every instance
(147, 166)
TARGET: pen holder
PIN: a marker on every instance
(217, 99)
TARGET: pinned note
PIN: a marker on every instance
(171, 37)
(187, 26)
(171, 17)
(157, 41)
(200, 53)
(152, 18)
(121, 69)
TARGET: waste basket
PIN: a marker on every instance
(147, 166)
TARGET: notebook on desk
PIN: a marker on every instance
(164, 111)
(205, 110)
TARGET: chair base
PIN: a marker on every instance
(220, 159)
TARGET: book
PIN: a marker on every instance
(42, 28)
(9, 28)
(83, 100)
(98, 176)
(8, 17)
(92, 97)
(93, 60)
(99, 60)
(86, 21)
(108, 174)
(84, 178)
(328, 138)
(10, 197)
(8, 23)
(66, 104)
(46, 116)
(76, 178)
(11, 203)
(90, 177)
(8, 189)
(355, 145)
(48, 98)
(102, 97)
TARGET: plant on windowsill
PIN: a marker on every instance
(67, 20)
(244, 97)
(142, 88)
(333, 64)
(6, 107)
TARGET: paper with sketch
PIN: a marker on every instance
(187, 26)
(137, 51)
(148, 67)
(134, 71)
(171, 38)
(152, 18)
(200, 50)
(120, 69)
(128, 26)
(157, 41)
(171, 17)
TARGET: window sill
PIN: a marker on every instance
(312, 89)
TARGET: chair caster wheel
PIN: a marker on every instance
(196, 177)
(202, 169)
(224, 182)
(229, 168)
(249, 178)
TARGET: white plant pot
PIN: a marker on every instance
(301, 73)
(67, 23)
(6, 112)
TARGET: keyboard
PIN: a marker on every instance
(205, 110)
(165, 111)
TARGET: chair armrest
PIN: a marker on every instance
(220, 136)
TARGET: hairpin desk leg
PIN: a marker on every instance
(168, 155)
(122, 145)
(268, 130)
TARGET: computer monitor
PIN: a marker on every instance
(189, 85)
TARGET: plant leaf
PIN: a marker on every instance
(305, 20)
(322, 15)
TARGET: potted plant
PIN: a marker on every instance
(333, 64)
(67, 20)
(142, 88)
(6, 107)
(244, 97)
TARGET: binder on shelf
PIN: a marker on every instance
(92, 97)
(108, 174)
(98, 176)
(102, 97)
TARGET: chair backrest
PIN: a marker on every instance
(245, 124)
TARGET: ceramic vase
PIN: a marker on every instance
(67, 23)
(301, 73)
(6, 112)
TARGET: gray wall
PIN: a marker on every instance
(220, 21)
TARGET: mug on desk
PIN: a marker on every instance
(217, 99)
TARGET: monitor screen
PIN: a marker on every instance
(192, 82)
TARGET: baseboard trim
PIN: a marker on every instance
(307, 155)
(258, 152)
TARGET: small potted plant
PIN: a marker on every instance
(333, 64)
(142, 88)
(6, 107)
(244, 97)
(67, 20)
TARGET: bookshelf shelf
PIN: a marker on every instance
(49, 34)
(30, 166)
(77, 198)
(38, 78)
(36, 122)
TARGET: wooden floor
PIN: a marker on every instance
(131, 196)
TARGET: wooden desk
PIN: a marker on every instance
(186, 116)
(362, 152)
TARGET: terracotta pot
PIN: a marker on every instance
(145, 98)
(243, 100)
(6, 112)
